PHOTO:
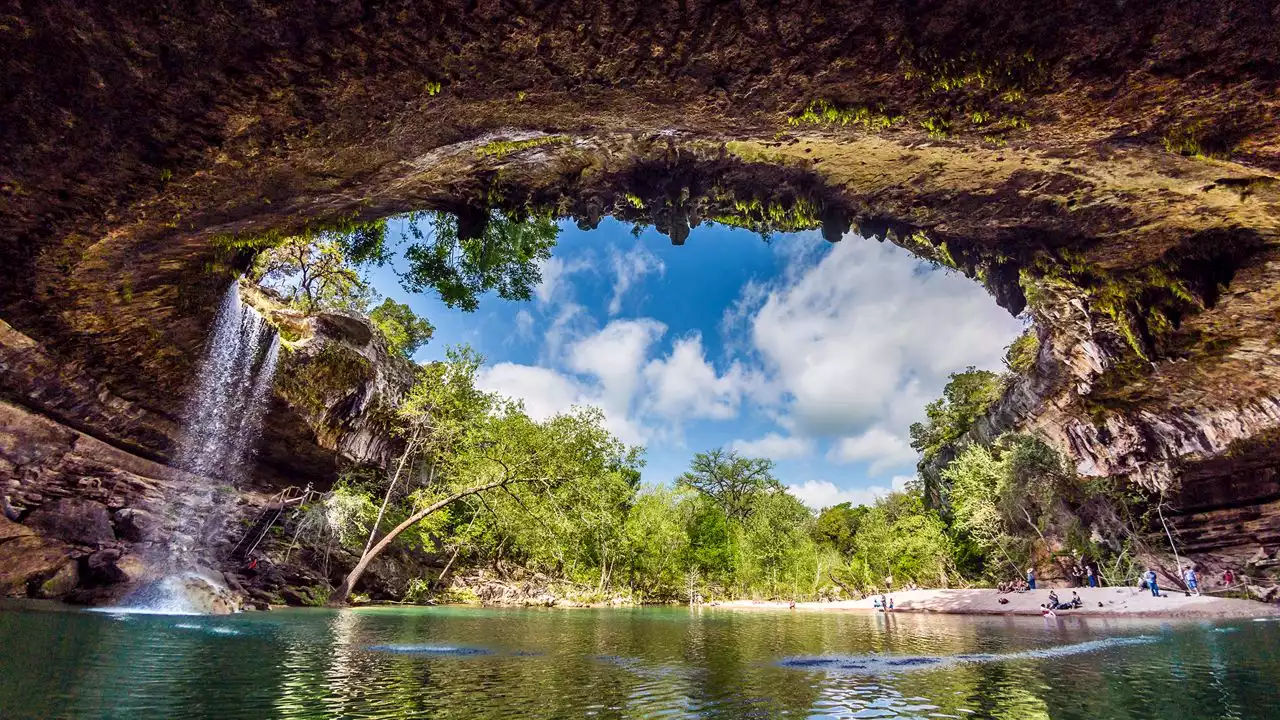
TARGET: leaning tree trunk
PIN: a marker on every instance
(338, 597)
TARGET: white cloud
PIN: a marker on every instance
(736, 319)
(819, 494)
(524, 325)
(899, 482)
(684, 386)
(555, 275)
(774, 446)
(545, 392)
(847, 344)
(882, 449)
(865, 335)
(629, 268)
(569, 321)
(613, 357)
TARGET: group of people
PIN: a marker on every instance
(1055, 604)
(882, 604)
(1013, 586)
(1150, 580)
(1085, 574)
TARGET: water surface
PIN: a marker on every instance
(642, 663)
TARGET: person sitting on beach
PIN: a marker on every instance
(1076, 602)
(1228, 578)
(1053, 601)
(876, 603)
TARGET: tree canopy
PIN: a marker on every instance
(404, 330)
(732, 481)
(461, 263)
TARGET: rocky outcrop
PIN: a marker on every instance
(32, 565)
(1112, 167)
(93, 502)
(337, 378)
(74, 520)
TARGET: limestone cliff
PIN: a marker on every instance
(1111, 168)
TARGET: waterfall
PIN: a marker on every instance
(224, 415)
(223, 421)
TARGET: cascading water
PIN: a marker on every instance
(223, 422)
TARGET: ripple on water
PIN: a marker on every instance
(432, 650)
(881, 664)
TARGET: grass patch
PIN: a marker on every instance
(1020, 355)
(1192, 140)
(937, 255)
(938, 127)
(822, 112)
(499, 149)
(766, 217)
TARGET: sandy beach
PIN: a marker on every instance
(1097, 601)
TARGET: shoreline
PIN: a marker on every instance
(1115, 602)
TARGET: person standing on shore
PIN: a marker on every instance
(1193, 580)
(1031, 578)
(1150, 577)
(1092, 572)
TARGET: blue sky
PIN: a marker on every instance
(817, 355)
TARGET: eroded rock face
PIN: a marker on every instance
(28, 562)
(111, 193)
(74, 520)
(102, 490)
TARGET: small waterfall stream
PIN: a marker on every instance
(223, 420)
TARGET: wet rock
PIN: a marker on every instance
(27, 558)
(193, 592)
(136, 525)
(313, 596)
(62, 583)
(101, 568)
(10, 530)
(82, 522)
(1265, 594)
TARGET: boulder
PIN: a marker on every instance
(100, 568)
(136, 525)
(80, 522)
(62, 583)
(29, 558)
(1265, 594)
(10, 530)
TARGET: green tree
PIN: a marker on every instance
(461, 442)
(313, 273)
(733, 482)
(710, 551)
(492, 252)
(965, 398)
(901, 539)
(658, 543)
(403, 329)
(838, 524)
(1006, 496)
(777, 551)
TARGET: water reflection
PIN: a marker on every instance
(460, 663)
